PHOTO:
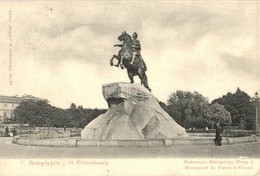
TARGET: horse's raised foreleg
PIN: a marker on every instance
(112, 59)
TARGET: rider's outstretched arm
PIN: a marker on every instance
(120, 45)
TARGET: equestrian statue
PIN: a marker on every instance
(129, 56)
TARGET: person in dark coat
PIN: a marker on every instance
(218, 136)
(14, 132)
(6, 132)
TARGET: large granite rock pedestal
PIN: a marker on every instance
(133, 114)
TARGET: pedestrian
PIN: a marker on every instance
(14, 132)
(6, 131)
(218, 136)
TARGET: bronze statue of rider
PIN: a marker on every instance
(136, 47)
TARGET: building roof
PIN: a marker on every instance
(17, 99)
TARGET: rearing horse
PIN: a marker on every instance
(125, 56)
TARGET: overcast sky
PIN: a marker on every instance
(61, 50)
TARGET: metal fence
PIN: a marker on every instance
(41, 132)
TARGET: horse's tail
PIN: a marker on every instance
(145, 82)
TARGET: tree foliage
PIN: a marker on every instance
(40, 113)
(188, 108)
(31, 112)
(193, 110)
(241, 108)
(217, 112)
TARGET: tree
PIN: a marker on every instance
(41, 113)
(59, 117)
(79, 117)
(186, 108)
(72, 115)
(217, 112)
(241, 108)
(32, 113)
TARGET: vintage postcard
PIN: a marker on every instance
(129, 88)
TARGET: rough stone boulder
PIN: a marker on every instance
(133, 114)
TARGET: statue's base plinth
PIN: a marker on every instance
(133, 114)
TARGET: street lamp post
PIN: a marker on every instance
(257, 114)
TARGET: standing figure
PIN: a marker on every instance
(14, 132)
(218, 136)
(136, 47)
(7, 132)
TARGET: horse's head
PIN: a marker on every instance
(124, 37)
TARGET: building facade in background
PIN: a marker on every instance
(9, 103)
